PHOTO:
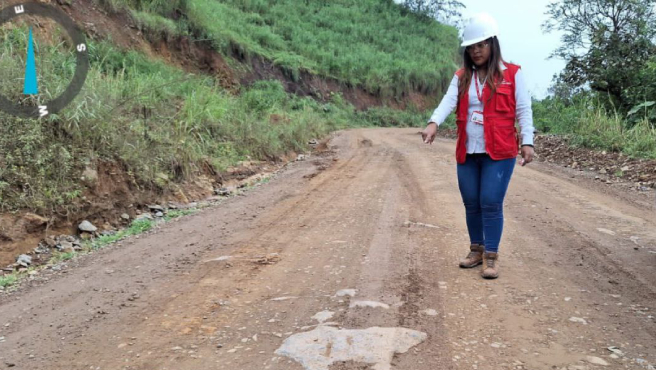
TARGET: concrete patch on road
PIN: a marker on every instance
(420, 224)
(321, 347)
(606, 231)
(346, 292)
(371, 304)
(222, 258)
(323, 316)
(429, 312)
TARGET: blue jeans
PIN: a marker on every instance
(483, 182)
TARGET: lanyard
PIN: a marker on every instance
(478, 93)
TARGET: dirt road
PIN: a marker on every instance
(355, 267)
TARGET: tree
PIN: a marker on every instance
(605, 44)
(446, 11)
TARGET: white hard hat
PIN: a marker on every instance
(479, 27)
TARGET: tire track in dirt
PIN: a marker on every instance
(287, 223)
(385, 219)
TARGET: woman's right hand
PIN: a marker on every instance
(429, 133)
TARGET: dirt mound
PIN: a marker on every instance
(609, 166)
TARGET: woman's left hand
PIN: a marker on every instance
(527, 155)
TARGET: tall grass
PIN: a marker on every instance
(590, 125)
(154, 23)
(155, 120)
(372, 43)
(601, 130)
(375, 44)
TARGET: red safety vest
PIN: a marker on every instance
(501, 138)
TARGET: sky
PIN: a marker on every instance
(521, 38)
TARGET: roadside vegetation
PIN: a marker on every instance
(164, 125)
(375, 44)
(605, 98)
(588, 123)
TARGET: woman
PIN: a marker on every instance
(489, 95)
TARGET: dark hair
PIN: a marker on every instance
(493, 69)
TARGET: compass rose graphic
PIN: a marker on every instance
(31, 83)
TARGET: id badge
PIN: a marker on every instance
(477, 117)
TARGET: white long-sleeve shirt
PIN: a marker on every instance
(475, 137)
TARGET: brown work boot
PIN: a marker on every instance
(490, 265)
(475, 256)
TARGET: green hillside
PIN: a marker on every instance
(373, 43)
(162, 125)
